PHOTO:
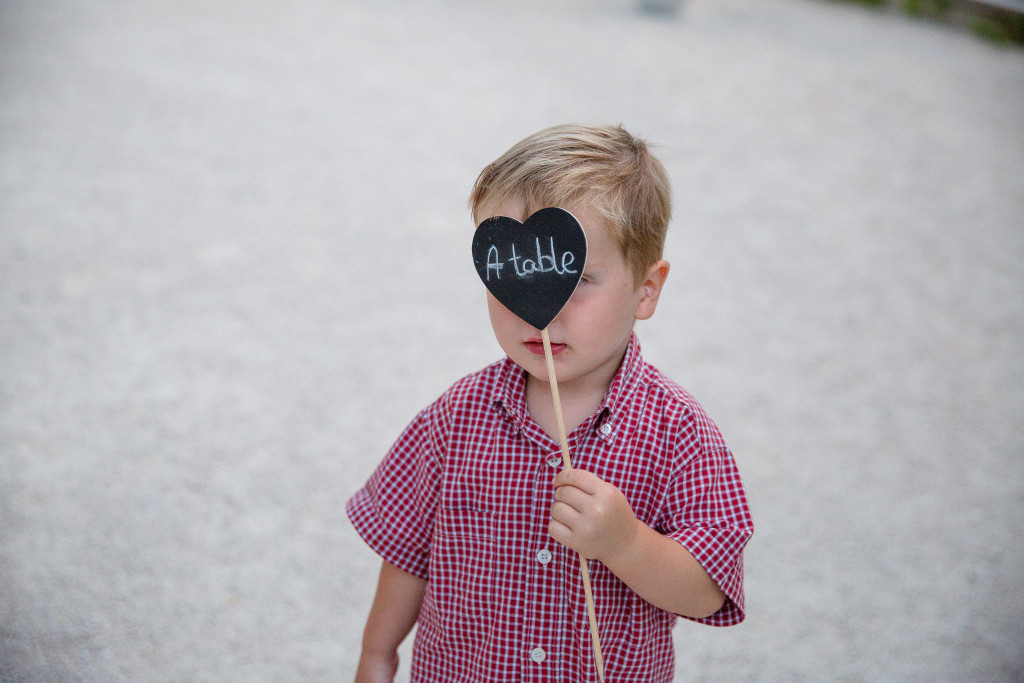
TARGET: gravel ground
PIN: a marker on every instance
(234, 262)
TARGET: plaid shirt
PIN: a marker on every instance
(463, 500)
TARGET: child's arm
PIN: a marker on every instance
(594, 518)
(394, 612)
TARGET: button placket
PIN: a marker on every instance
(539, 641)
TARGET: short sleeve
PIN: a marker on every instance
(394, 512)
(708, 514)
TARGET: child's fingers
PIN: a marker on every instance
(581, 479)
(563, 522)
(566, 515)
(572, 497)
(571, 529)
(560, 532)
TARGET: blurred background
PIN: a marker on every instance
(234, 263)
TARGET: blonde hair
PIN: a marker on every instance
(603, 167)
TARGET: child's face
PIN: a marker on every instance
(590, 335)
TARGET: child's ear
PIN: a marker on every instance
(650, 289)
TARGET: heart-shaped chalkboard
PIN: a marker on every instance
(533, 267)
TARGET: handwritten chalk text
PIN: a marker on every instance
(545, 262)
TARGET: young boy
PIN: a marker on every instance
(476, 521)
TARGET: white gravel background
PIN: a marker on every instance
(234, 262)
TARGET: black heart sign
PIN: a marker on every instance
(533, 267)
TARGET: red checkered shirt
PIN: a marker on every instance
(463, 500)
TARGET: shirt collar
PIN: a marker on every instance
(510, 391)
(510, 388)
(626, 380)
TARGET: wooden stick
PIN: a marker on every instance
(591, 612)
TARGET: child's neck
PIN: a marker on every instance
(578, 404)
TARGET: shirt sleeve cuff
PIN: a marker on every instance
(719, 550)
(382, 540)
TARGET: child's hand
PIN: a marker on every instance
(591, 516)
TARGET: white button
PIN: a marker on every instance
(538, 655)
(544, 556)
(606, 429)
(554, 461)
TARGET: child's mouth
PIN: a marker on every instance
(536, 347)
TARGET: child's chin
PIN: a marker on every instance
(535, 372)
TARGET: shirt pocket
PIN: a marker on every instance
(462, 570)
